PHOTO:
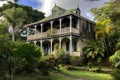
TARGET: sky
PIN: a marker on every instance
(46, 5)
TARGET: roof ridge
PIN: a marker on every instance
(59, 7)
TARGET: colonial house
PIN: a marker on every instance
(66, 28)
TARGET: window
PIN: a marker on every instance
(87, 25)
(75, 46)
(67, 46)
(91, 27)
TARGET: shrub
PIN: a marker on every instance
(64, 58)
(29, 54)
(116, 60)
(116, 74)
(76, 61)
(48, 63)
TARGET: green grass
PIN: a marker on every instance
(87, 75)
(37, 76)
(64, 75)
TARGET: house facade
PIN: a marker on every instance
(65, 28)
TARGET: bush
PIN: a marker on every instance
(116, 60)
(76, 61)
(48, 63)
(64, 59)
(29, 54)
(116, 74)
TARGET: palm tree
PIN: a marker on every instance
(15, 18)
(94, 49)
(102, 30)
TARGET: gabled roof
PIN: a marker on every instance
(57, 8)
(66, 12)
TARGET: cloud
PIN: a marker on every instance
(84, 5)
(2, 2)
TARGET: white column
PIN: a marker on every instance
(34, 42)
(27, 31)
(60, 43)
(41, 44)
(35, 27)
(70, 44)
(78, 25)
(70, 23)
(41, 29)
(51, 45)
(60, 21)
(41, 47)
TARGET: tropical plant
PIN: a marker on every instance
(102, 30)
(94, 50)
(30, 54)
(116, 60)
(110, 12)
(15, 18)
(16, 54)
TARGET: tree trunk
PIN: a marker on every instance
(11, 72)
(106, 47)
(13, 34)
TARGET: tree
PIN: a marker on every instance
(30, 53)
(15, 54)
(15, 18)
(111, 11)
(103, 29)
(33, 15)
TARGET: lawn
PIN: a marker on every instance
(87, 75)
(65, 75)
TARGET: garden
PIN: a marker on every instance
(24, 61)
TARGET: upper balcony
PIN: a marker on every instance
(61, 26)
(55, 32)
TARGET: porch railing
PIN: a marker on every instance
(57, 32)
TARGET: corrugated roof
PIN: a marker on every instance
(66, 12)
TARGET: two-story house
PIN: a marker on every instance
(66, 28)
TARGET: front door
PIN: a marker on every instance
(67, 46)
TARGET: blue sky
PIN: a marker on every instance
(32, 3)
(46, 5)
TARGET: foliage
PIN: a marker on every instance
(76, 61)
(33, 15)
(48, 63)
(116, 74)
(116, 59)
(64, 58)
(103, 27)
(50, 32)
(30, 53)
(15, 18)
(109, 12)
(18, 54)
(94, 49)
(19, 15)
